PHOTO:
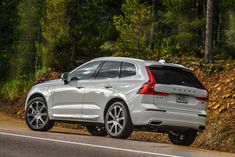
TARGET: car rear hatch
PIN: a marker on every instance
(178, 89)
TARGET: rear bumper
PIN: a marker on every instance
(169, 119)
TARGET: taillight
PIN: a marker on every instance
(148, 87)
(204, 99)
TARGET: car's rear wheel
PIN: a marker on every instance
(36, 115)
(117, 121)
(185, 138)
(96, 130)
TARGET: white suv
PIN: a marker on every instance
(115, 95)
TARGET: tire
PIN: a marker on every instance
(96, 130)
(36, 115)
(184, 139)
(118, 123)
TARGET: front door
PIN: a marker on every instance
(68, 98)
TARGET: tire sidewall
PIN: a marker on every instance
(127, 120)
(189, 138)
(48, 125)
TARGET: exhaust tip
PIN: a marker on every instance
(201, 127)
(155, 123)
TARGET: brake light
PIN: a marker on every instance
(148, 87)
(204, 99)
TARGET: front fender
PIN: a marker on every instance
(42, 91)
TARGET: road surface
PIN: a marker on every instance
(16, 140)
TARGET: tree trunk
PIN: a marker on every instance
(154, 14)
(208, 42)
(218, 35)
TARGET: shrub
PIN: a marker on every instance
(11, 88)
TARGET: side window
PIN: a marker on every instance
(127, 69)
(85, 72)
(110, 69)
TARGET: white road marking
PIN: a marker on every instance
(89, 145)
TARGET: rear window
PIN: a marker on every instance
(127, 69)
(175, 76)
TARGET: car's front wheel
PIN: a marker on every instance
(117, 121)
(36, 115)
(185, 138)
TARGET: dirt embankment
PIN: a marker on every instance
(220, 128)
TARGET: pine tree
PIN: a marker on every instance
(28, 32)
(8, 16)
(55, 48)
(133, 27)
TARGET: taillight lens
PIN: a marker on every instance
(148, 87)
(204, 99)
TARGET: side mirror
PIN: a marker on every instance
(64, 77)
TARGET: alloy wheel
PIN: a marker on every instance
(115, 119)
(37, 115)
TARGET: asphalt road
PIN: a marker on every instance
(16, 140)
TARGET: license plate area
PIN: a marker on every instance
(181, 98)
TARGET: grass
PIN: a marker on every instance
(12, 88)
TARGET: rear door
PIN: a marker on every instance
(178, 89)
(99, 91)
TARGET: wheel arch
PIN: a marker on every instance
(34, 95)
(111, 101)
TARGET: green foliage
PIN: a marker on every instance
(11, 88)
(225, 4)
(133, 27)
(74, 29)
(230, 34)
(41, 72)
(8, 21)
(179, 28)
(92, 26)
(28, 32)
(56, 45)
(35, 34)
(8, 16)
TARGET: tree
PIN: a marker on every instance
(28, 31)
(208, 42)
(230, 33)
(74, 29)
(133, 27)
(8, 16)
(55, 48)
(153, 29)
(91, 27)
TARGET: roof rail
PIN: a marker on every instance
(162, 61)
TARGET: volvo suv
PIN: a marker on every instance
(116, 95)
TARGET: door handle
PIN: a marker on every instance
(108, 86)
(80, 87)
